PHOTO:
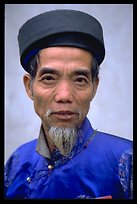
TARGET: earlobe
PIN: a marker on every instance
(28, 86)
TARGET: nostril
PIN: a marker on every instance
(64, 96)
(64, 92)
(63, 99)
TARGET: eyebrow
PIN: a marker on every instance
(47, 70)
(80, 71)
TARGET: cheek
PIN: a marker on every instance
(40, 100)
(85, 103)
(38, 105)
(83, 106)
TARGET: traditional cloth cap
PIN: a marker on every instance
(60, 28)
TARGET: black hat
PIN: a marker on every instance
(60, 28)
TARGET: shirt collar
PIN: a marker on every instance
(42, 146)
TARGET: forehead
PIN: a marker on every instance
(66, 54)
(67, 60)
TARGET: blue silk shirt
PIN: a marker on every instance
(99, 165)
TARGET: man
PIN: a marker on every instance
(61, 51)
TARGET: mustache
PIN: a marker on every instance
(50, 111)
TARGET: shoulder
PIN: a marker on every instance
(22, 154)
(25, 150)
(27, 147)
(114, 141)
(110, 146)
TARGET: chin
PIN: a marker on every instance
(64, 125)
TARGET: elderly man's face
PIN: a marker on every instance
(63, 86)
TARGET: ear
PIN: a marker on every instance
(95, 86)
(28, 85)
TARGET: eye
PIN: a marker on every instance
(48, 79)
(81, 80)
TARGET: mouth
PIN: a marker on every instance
(65, 115)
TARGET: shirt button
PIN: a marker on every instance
(28, 179)
(50, 167)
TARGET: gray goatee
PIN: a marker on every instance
(63, 138)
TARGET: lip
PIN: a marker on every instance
(65, 115)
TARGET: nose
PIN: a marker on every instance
(64, 92)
